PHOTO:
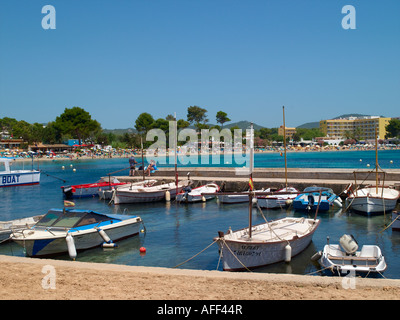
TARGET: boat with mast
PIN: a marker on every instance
(265, 243)
(372, 200)
(284, 198)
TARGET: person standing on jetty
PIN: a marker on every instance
(132, 164)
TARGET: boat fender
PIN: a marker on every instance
(338, 203)
(71, 246)
(316, 256)
(288, 253)
(289, 202)
(203, 198)
(167, 196)
(104, 235)
(109, 245)
(254, 201)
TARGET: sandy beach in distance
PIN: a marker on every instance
(42, 279)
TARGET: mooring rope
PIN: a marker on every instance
(178, 265)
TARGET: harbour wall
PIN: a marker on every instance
(232, 179)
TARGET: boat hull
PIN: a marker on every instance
(396, 224)
(333, 259)
(195, 195)
(144, 195)
(242, 255)
(233, 198)
(83, 239)
(371, 201)
(19, 178)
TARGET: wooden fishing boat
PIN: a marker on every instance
(107, 194)
(52, 233)
(373, 200)
(188, 195)
(240, 197)
(267, 243)
(127, 194)
(278, 201)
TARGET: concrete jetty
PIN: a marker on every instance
(300, 178)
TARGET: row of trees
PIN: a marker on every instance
(76, 123)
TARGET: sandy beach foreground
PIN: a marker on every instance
(41, 279)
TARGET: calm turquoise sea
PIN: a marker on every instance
(176, 232)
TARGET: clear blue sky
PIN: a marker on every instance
(117, 59)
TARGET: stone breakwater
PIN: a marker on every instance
(337, 179)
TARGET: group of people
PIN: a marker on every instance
(147, 170)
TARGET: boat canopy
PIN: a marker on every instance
(72, 218)
(318, 189)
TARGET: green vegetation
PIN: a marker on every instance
(76, 123)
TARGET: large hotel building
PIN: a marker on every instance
(336, 128)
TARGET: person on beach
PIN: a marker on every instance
(132, 165)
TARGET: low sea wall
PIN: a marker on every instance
(232, 180)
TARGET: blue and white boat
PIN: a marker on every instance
(316, 197)
(71, 230)
(10, 178)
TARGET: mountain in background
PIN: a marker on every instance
(241, 125)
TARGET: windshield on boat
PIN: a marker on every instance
(70, 219)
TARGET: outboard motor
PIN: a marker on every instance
(68, 192)
(310, 199)
(349, 244)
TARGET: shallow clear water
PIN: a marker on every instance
(176, 232)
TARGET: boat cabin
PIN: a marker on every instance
(72, 218)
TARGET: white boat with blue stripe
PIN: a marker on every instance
(10, 178)
(71, 230)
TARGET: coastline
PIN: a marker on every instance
(25, 279)
(73, 156)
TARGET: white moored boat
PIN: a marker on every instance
(376, 199)
(240, 197)
(345, 258)
(108, 193)
(268, 243)
(195, 195)
(373, 200)
(278, 200)
(52, 233)
(9, 178)
(127, 194)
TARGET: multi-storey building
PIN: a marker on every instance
(363, 127)
(289, 132)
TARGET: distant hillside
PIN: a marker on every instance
(241, 124)
(309, 125)
(120, 131)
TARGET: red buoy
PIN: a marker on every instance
(142, 250)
